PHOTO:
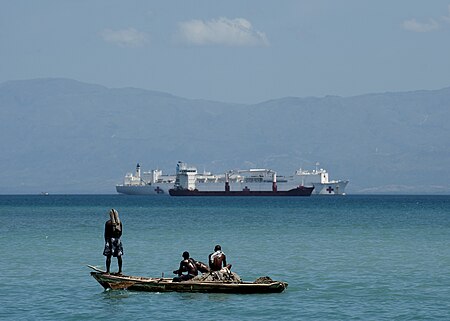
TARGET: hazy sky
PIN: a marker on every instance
(233, 51)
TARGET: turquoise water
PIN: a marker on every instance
(345, 258)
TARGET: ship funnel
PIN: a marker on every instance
(227, 182)
(274, 182)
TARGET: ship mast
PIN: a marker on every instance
(138, 171)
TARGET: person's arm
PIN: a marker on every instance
(119, 233)
(210, 264)
(224, 260)
(180, 269)
(106, 232)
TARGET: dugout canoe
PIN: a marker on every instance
(147, 284)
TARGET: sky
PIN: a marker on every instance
(231, 51)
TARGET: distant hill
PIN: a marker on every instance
(64, 136)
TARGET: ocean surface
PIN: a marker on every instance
(345, 258)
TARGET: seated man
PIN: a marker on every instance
(186, 265)
(218, 259)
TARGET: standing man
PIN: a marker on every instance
(113, 244)
(218, 259)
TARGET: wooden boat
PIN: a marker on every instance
(136, 283)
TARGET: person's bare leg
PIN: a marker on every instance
(108, 263)
(119, 261)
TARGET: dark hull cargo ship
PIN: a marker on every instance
(185, 185)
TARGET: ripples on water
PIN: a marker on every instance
(353, 257)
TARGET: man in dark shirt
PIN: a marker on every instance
(113, 244)
(218, 259)
(186, 265)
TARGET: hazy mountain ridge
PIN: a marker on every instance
(64, 136)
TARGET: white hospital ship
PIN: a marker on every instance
(154, 182)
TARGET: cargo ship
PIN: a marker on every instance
(154, 182)
(185, 185)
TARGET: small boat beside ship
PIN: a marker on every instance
(154, 182)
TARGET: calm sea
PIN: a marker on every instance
(345, 258)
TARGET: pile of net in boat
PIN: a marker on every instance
(263, 280)
(224, 275)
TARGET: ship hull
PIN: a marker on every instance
(153, 189)
(299, 191)
(335, 188)
(331, 188)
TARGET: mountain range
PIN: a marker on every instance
(67, 137)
